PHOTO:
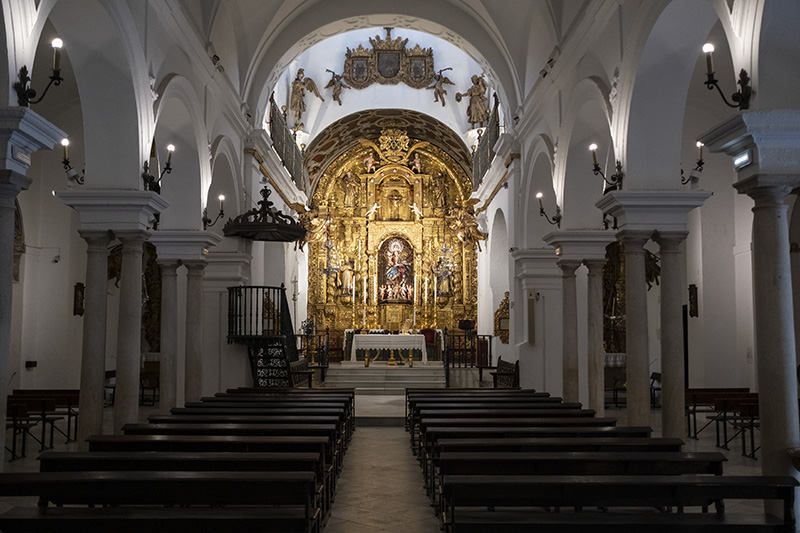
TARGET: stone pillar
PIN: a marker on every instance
(129, 336)
(596, 350)
(569, 321)
(169, 336)
(774, 323)
(10, 184)
(93, 359)
(673, 388)
(637, 356)
(194, 331)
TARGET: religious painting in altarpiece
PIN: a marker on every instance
(398, 249)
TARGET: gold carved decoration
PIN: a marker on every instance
(388, 62)
(392, 238)
(501, 320)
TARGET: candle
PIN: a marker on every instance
(65, 144)
(57, 44)
(435, 279)
(375, 288)
(708, 50)
(699, 150)
(539, 197)
(365, 290)
(425, 292)
(221, 198)
(170, 149)
(593, 149)
(353, 295)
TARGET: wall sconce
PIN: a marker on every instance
(741, 98)
(26, 95)
(207, 222)
(694, 175)
(556, 218)
(614, 181)
(72, 174)
(151, 183)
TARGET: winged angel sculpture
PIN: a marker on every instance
(439, 81)
(297, 100)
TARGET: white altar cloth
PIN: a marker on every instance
(388, 342)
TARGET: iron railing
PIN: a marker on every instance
(257, 313)
(285, 145)
(484, 153)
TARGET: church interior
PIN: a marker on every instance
(368, 266)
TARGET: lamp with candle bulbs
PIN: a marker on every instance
(614, 181)
(694, 175)
(151, 183)
(73, 175)
(741, 98)
(207, 222)
(26, 95)
(555, 220)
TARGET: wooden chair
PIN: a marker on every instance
(507, 375)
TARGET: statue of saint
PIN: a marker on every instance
(369, 163)
(351, 185)
(439, 191)
(297, 99)
(478, 109)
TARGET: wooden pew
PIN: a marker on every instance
(576, 444)
(160, 500)
(701, 400)
(644, 492)
(66, 405)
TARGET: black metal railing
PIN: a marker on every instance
(256, 313)
(484, 153)
(284, 143)
(466, 350)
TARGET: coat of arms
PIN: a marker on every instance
(388, 61)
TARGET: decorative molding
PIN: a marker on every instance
(663, 211)
(580, 245)
(114, 209)
(389, 61)
(184, 245)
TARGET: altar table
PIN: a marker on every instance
(385, 342)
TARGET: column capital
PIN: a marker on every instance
(767, 189)
(633, 241)
(652, 210)
(670, 241)
(22, 132)
(568, 267)
(168, 268)
(11, 183)
(132, 237)
(184, 245)
(595, 266)
(114, 209)
(195, 267)
(97, 240)
(578, 245)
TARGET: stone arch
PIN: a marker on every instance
(277, 50)
(541, 180)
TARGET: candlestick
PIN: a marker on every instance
(221, 199)
(593, 149)
(57, 44)
(708, 49)
(65, 144)
(699, 150)
(170, 149)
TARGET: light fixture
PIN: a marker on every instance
(26, 95)
(151, 183)
(556, 218)
(694, 175)
(614, 181)
(741, 98)
(207, 222)
(72, 174)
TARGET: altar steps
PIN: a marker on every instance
(382, 379)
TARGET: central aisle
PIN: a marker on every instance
(380, 489)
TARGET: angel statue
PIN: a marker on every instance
(439, 81)
(478, 109)
(417, 211)
(316, 228)
(297, 100)
(336, 84)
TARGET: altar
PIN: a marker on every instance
(377, 345)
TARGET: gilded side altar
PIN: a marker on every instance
(393, 238)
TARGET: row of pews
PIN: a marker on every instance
(520, 460)
(242, 460)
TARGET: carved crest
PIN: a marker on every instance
(388, 61)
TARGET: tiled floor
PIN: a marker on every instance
(381, 486)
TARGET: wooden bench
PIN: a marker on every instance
(643, 492)
(506, 375)
(535, 444)
(66, 405)
(40, 410)
(160, 500)
(699, 400)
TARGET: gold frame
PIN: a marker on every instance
(500, 315)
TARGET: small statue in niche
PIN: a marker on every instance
(478, 109)
(336, 84)
(297, 99)
(416, 164)
(369, 163)
(351, 185)
(394, 209)
(439, 81)
(439, 192)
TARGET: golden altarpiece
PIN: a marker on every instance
(393, 238)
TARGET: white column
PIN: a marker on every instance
(10, 184)
(129, 336)
(636, 348)
(774, 326)
(596, 350)
(194, 331)
(93, 359)
(673, 386)
(569, 321)
(169, 336)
